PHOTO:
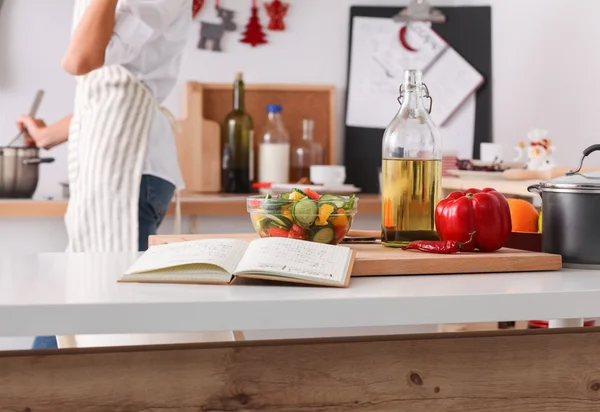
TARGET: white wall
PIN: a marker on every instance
(545, 61)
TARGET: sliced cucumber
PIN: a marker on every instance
(262, 224)
(284, 196)
(304, 212)
(329, 203)
(300, 191)
(324, 234)
(350, 202)
(280, 221)
(338, 201)
(273, 205)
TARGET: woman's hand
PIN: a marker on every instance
(33, 129)
(40, 135)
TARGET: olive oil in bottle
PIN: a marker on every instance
(411, 169)
(412, 192)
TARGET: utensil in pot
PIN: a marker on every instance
(32, 112)
(571, 215)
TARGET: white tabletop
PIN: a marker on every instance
(78, 294)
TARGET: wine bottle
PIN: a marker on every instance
(237, 144)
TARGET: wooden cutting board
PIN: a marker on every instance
(376, 260)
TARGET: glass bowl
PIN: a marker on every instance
(303, 215)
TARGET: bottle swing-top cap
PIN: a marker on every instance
(413, 78)
(413, 81)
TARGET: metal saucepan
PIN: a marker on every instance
(19, 165)
(19, 171)
(571, 216)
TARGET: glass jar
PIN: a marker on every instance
(306, 153)
(274, 149)
(411, 168)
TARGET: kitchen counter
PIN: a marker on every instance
(69, 294)
(513, 371)
(232, 205)
(506, 187)
(191, 205)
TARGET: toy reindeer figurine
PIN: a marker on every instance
(213, 32)
(538, 154)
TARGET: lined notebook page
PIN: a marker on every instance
(186, 256)
(296, 259)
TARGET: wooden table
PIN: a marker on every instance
(551, 370)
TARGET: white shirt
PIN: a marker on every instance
(148, 39)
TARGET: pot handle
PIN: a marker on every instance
(535, 189)
(38, 160)
(586, 153)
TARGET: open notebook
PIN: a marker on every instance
(220, 261)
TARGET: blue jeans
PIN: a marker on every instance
(155, 198)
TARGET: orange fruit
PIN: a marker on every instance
(524, 215)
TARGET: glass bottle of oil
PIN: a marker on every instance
(411, 168)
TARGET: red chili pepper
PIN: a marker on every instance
(444, 247)
(483, 211)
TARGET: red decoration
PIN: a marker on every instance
(196, 7)
(254, 34)
(402, 36)
(276, 11)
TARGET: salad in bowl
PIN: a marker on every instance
(303, 214)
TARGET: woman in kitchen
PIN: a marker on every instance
(122, 160)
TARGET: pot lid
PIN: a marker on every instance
(581, 181)
(574, 180)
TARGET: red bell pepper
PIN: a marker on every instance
(340, 233)
(296, 232)
(277, 232)
(485, 212)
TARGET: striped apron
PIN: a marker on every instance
(108, 140)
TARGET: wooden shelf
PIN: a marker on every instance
(234, 205)
(197, 205)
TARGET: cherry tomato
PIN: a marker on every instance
(276, 232)
(255, 203)
(340, 233)
(297, 233)
(312, 194)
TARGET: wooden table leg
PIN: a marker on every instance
(504, 371)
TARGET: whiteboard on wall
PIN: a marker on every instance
(468, 30)
(377, 68)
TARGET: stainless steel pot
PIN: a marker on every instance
(571, 216)
(19, 171)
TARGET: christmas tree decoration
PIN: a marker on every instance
(277, 11)
(213, 31)
(254, 34)
(196, 7)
